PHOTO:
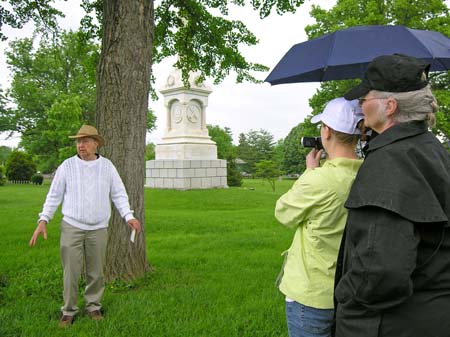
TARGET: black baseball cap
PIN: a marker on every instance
(392, 73)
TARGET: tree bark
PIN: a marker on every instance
(123, 84)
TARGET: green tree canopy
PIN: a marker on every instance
(53, 93)
(201, 34)
(63, 118)
(149, 151)
(21, 12)
(6, 120)
(294, 152)
(226, 150)
(151, 120)
(224, 140)
(254, 147)
(40, 76)
(2, 175)
(278, 154)
(4, 154)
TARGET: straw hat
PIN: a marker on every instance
(89, 131)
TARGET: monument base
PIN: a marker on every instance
(186, 174)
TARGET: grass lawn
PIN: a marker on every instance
(215, 256)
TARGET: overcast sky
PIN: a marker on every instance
(241, 107)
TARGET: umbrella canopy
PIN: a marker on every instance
(346, 53)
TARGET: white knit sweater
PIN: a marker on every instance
(86, 189)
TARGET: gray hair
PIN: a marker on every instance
(418, 105)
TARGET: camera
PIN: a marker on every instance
(312, 142)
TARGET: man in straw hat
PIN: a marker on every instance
(393, 273)
(85, 184)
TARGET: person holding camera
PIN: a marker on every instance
(393, 274)
(314, 206)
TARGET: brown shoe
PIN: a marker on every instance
(96, 315)
(65, 321)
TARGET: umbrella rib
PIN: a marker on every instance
(426, 48)
(330, 51)
(420, 42)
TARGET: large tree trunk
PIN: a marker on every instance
(123, 84)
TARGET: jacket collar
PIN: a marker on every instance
(397, 132)
(344, 162)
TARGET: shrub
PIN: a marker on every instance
(2, 175)
(268, 170)
(19, 166)
(37, 178)
(234, 177)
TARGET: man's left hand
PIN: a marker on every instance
(135, 224)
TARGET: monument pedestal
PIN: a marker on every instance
(186, 174)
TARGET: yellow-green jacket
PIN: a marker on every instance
(315, 206)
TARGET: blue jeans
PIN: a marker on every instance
(305, 321)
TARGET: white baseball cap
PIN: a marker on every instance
(341, 115)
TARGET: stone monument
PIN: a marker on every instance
(186, 157)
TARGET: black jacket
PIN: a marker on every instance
(393, 274)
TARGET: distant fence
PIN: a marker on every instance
(19, 181)
(23, 182)
(36, 179)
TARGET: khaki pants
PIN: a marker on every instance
(80, 247)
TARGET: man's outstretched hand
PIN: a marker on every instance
(40, 229)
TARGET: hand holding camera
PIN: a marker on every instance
(317, 153)
(313, 158)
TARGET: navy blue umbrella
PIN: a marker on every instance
(346, 53)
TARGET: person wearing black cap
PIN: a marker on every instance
(393, 273)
